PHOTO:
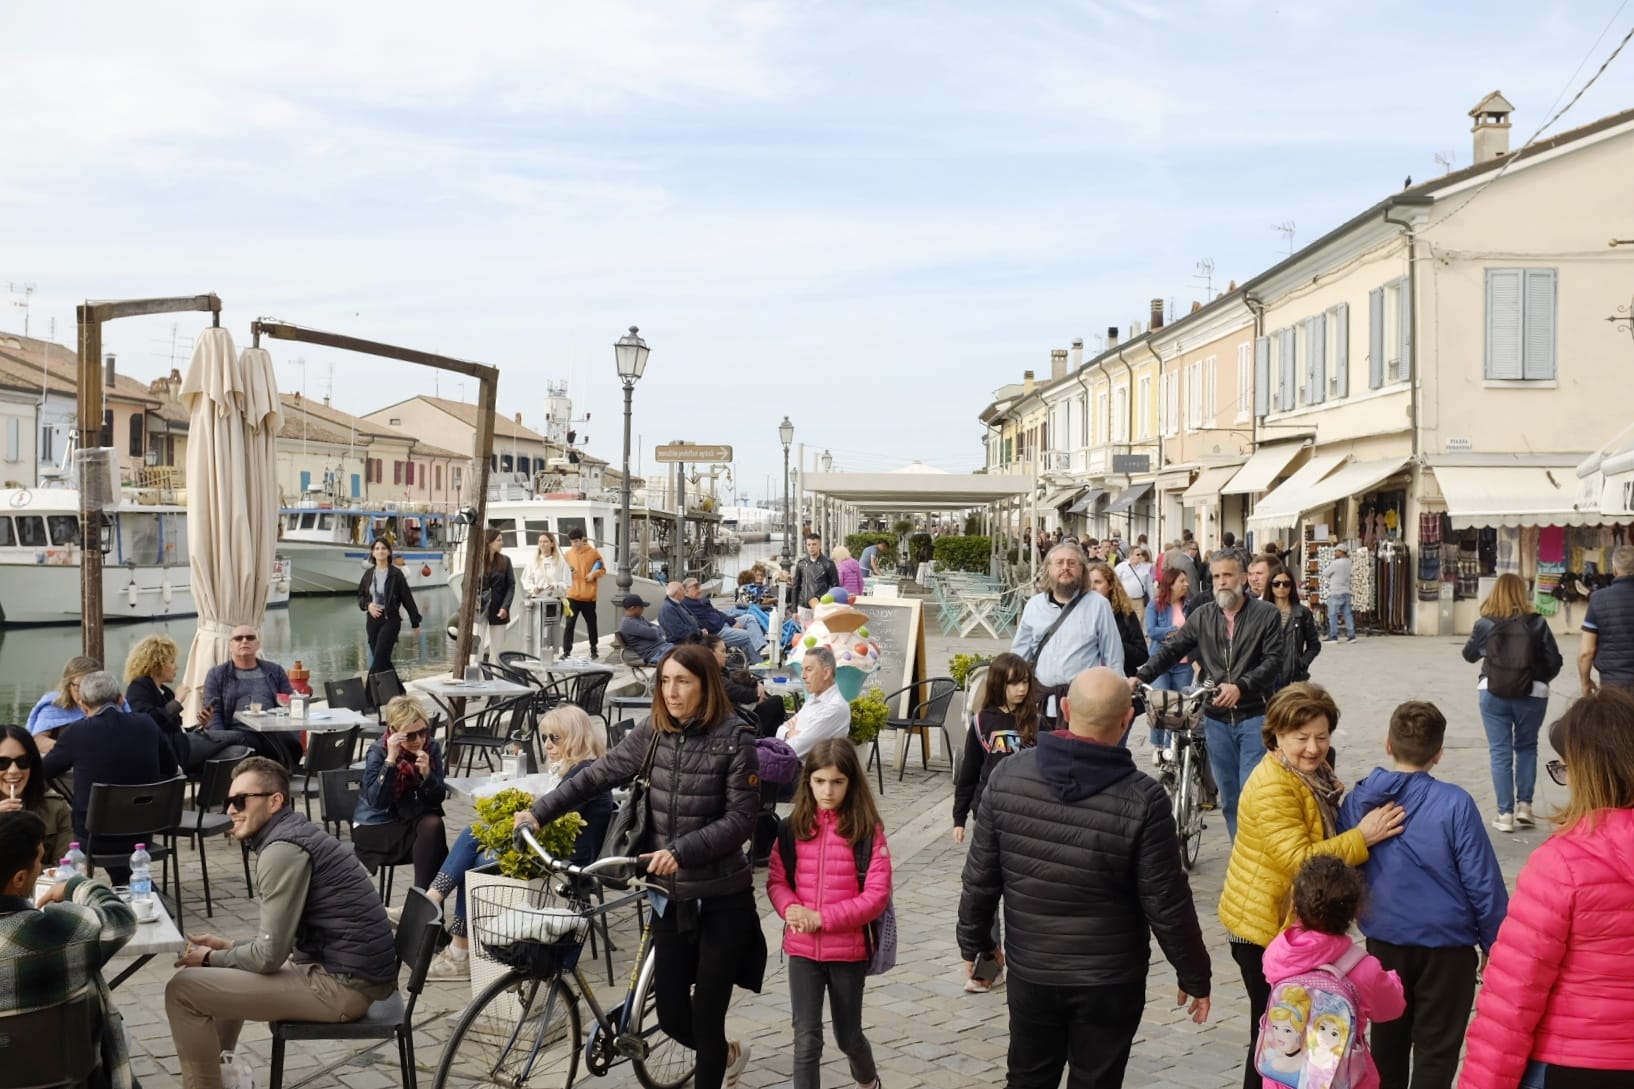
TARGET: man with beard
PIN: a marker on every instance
(1237, 640)
(1066, 630)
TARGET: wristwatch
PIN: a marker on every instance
(205, 963)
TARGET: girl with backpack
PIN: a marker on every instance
(1324, 987)
(826, 903)
(1519, 658)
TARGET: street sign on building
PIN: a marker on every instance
(690, 452)
(1131, 463)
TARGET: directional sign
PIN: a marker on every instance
(687, 451)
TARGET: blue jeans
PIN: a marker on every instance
(1339, 605)
(1233, 754)
(464, 855)
(1177, 679)
(1512, 727)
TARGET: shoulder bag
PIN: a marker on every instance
(628, 828)
(1049, 632)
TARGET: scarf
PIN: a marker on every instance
(408, 776)
(1327, 789)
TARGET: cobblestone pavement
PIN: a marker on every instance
(925, 1030)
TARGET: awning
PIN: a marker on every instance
(1512, 495)
(1060, 496)
(1281, 508)
(1087, 501)
(1206, 488)
(1262, 470)
(1350, 479)
(1131, 495)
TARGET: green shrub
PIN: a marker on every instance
(964, 553)
(856, 542)
(961, 664)
(868, 714)
(920, 548)
(493, 831)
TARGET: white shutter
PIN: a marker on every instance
(1262, 376)
(1212, 391)
(1541, 288)
(1289, 365)
(1245, 380)
(1375, 338)
(1341, 350)
(1317, 346)
(14, 439)
(1172, 399)
(1404, 325)
(1504, 359)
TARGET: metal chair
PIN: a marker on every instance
(390, 1018)
(324, 752)
(924, 715)
(140, 813)
(639, 667)
(384, 687)
(617, 732)
(493, 728)
(209, 817)
(338, 792)
(57, 1046)
(352, 694)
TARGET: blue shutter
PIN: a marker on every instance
(1504, 359)
(357, 486)
(1375, 338)
(1404, 322)
(1262, 376)
(306, 481)
(1538, 343)
(1341, 350)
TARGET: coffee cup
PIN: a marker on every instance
(254, 708)
(145, 909)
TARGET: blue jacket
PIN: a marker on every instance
(704, 612)
(677, 621)
(1437, 884)
(378, 802)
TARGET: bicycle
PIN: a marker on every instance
(524, 1029)
(1185, 770)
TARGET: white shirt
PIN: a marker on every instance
(823, 717)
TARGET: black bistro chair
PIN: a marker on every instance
(209, 816)
(928, 712)
(54, 1046)
(324, 752)
(142, 813)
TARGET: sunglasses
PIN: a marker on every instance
(21, 763)
(1284, 583)
(1557, 771)
(243, 638)
(410, 735)
(555, 739)
(238, 801)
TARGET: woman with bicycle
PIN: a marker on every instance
(1164, 614)
(704, 795)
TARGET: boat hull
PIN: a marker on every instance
(48, 593)
(326, 568)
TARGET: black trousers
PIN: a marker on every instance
(586, 609)
(1440, 989)
(1251, 963)
(1088, 1030)
(701, 953)
(383, 632)
(843, 982)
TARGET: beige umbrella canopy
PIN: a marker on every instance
(232, 494)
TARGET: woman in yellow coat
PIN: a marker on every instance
(1288, 812)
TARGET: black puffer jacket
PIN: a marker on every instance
(1250, 658)
(1082, 849)
(705, 794)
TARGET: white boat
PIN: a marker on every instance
(144, 577)
(330, 545)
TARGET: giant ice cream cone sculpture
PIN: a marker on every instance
(843, 629)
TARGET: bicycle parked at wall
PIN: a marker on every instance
(1184, 769)
(524, 1029)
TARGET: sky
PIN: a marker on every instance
(864, 216)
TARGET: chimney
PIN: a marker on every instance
(1058, 363)
(1157, 315)
(1491, 127)
(1111, 337)
(1077, 353)
(1026, 382)
(326, 400)
(108, 372)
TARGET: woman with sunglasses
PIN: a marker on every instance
(572, 744)
(22, 789)
(1301, 638)
(1553, 1007)
(399, 816)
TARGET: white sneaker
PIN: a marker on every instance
(394, 916)
(449, 966)
(737, 1057)
(1504, 822)
(1523, 814)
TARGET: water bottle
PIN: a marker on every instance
(77, 862)
(141, 875)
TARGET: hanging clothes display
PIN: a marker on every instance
(1529, 552)
(1508, 561)
(1544, 598)
(1362, 582)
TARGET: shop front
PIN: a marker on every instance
(1209, 514)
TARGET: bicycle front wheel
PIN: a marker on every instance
(519, 1033)
(669, 1064)
(1188, 808)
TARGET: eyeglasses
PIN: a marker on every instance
(1283, 583)
(21, 763)
(1557, 771)
(555, 739)
(243, 638)
(238, 801)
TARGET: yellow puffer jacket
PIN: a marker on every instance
(1279, 826)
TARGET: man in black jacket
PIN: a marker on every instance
(1238, 642)
(1082, 849)
(815, 574)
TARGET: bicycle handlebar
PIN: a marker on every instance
(1189, 695)
(598, 870)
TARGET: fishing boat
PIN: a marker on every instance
(145, 575)
(331, 544)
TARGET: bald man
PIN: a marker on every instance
(679, 625)
(1081, 848)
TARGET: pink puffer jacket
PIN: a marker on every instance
(825, 880)
(1557, 986)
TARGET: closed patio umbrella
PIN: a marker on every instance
(232, 494)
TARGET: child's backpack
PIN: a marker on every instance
(1310, 1034)
(1509, 659)
(879, 935)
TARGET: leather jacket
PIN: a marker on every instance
(1250, 657)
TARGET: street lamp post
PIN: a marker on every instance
(785, 432)
(630, 352)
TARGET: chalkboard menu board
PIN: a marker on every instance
(898, 626)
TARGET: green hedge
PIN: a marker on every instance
(919, 548)
(856, 542)
(964, 553)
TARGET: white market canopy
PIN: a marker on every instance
(918, 489)
(1524, 492)
(1606, 478)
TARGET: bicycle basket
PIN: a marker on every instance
(526, 928)
(1166, 709)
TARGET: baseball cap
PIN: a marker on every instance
(631, 601)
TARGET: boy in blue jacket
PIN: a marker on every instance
(1436, 892)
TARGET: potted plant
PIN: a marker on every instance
(868, 714)
(960, 665)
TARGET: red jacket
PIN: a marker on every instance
(825, 880)
(1557, 987)
(1296, 951)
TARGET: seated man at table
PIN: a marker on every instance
(641, 636)
(244, 679)
(679, 625)
(53, 952)
(742, 632)
(826, 714)
(323, 948)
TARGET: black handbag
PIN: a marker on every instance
(628, 828)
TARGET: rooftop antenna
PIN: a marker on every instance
(176, 344)
(1444, 159)
(27, 293)
(1205, 273)
(1286, 228)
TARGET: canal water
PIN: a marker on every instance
(324, 632)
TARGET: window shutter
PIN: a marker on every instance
(14, 439)
(1262, 376)
(1375, 338)
(1341, 350)
(1539, 340)
(1211, 398)
(1503, 324)
(1404, 319)
(1289, 365)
